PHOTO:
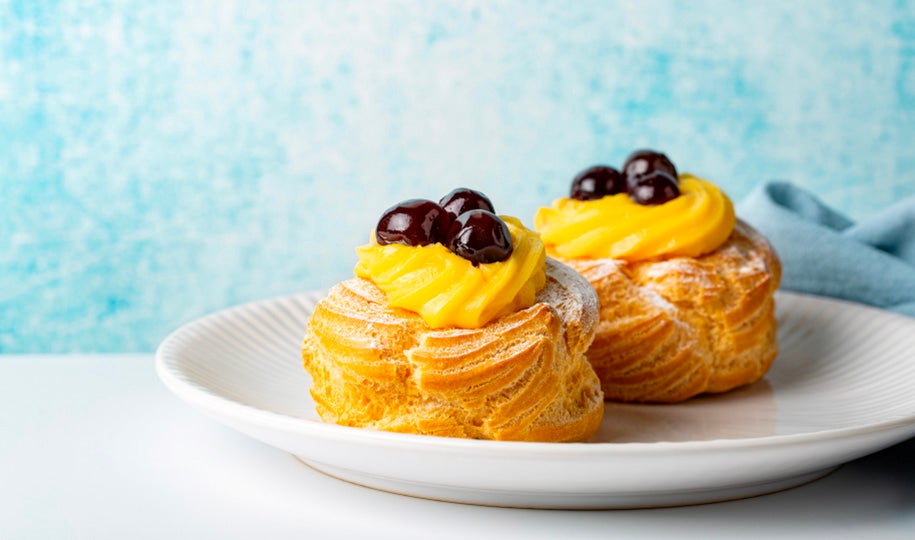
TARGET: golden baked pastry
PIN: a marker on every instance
(521, 377)
(671, 329)
(686, 289)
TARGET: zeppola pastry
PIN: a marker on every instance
(686, 289)
(457, 325)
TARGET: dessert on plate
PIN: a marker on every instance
(456, 324)
(686, 288)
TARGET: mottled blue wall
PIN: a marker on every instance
(158, 162)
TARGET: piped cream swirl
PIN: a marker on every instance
(447, 290)
(693, 224)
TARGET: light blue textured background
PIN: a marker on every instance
(159, 161)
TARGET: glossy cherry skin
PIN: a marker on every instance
(414, 222)
(461, 200)
(642, 162)
(595, 182)
(480, 237)
(654, 188)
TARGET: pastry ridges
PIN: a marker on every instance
(671, 329)
(521, 377)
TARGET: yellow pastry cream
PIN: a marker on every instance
(447, 290)
(692, 224)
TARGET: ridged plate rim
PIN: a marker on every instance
(174, 365)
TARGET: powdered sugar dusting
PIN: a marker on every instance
(657, 300)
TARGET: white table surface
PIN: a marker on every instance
(93, 446)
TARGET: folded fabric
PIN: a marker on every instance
(825, 253)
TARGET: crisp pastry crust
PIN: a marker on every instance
(675, 328)
(523, 376)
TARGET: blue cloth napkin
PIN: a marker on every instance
(826, 253)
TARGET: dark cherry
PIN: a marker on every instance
(642, 162)
(480, 237)
(597, 181)
(461, 200)
(414, 222)
(654, 188)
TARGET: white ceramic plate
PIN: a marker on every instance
(842, 387)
